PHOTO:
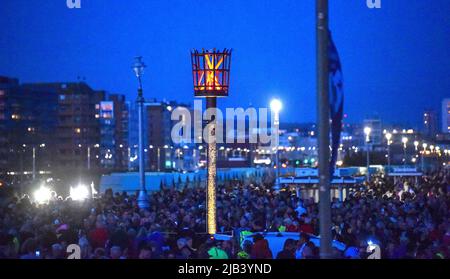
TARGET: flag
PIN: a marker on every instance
(336, 91)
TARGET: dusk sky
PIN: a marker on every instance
(396, 60)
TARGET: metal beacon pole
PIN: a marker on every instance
(323, 119)
(211, 75)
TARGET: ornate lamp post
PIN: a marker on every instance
(211, 74)
(138, 68)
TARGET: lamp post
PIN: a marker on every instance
(159, 159)
(416, 148)
(388, 139)
(416, 145)
(34, 163)
(424, 145)
(367, 131)
(89, 158)
(275, 107)
(211, 76)
(138, 68)
(404, 141)
(34, 155)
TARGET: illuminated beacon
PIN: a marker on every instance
(211, 75)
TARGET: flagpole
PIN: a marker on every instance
(323, 119)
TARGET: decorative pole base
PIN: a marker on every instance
(211, 103)
(143, 201)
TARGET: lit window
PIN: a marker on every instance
(78, 130)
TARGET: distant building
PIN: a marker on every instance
(376, 134)
(108, 155)
(446, 115)
(159, 141)
(78, 129)
(430, 124)
(121, 130)
(70, 126)
(161, 153)
(28, 120)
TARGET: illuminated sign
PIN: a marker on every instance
(107, 110)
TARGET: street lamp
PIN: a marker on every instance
(367, 131)
(416, 145)
(211, 76)
(276, 106)
(34, 160)
(34, 163)
(416, 148)
(388, 139)
(424, 145)
(138, 68)
(404, 141)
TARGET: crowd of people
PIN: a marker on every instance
(406, 220)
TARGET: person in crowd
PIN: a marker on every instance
(214, 251)
(115, 253)
(260, 249)
(288, 251)
(29, 251)
(407, 219)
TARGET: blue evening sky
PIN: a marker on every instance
(396, 60)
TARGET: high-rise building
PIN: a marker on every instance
(78, 126)
(107, 135)
(430, 125)
(69, 126)
(121, 123)
(158, 136)
(161, 152)
(27, 122)
(446, 115)
(161, 148)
